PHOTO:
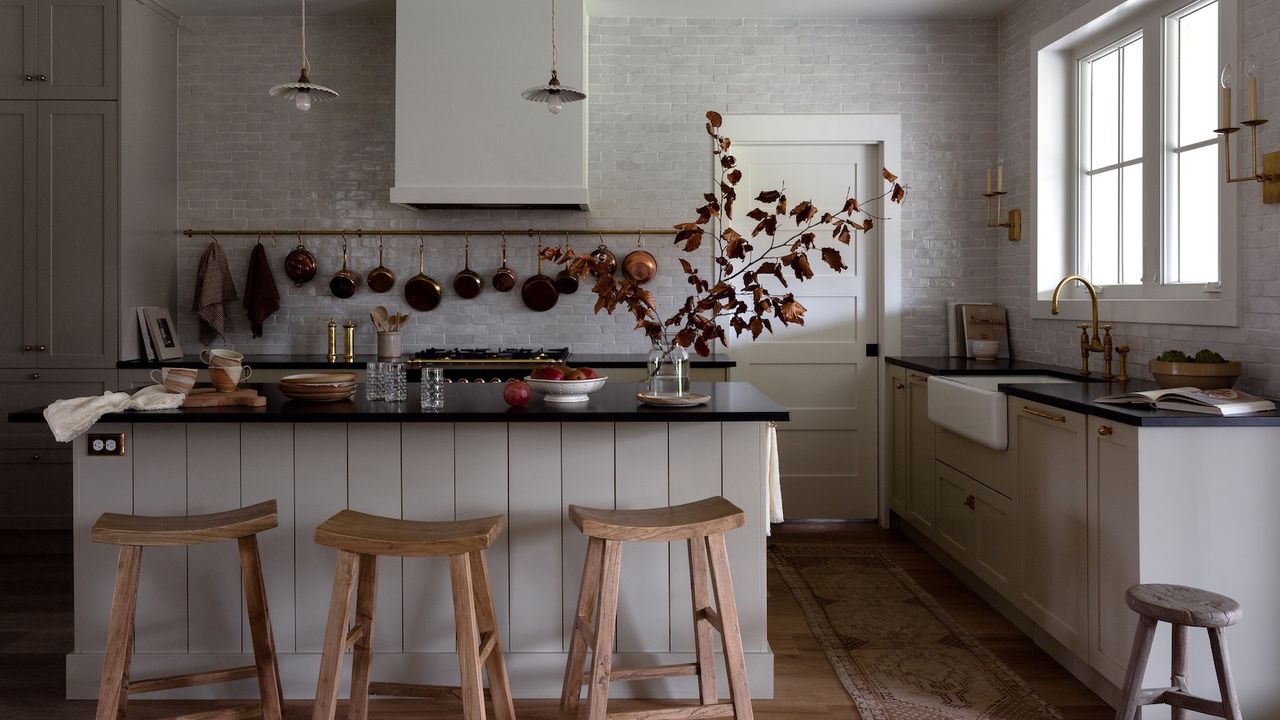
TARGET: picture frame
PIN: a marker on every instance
(163, 333)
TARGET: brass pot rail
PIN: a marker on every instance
(360, 232)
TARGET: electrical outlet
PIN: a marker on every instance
(111, 444)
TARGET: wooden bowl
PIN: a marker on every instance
(1206, 376)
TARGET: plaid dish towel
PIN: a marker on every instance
(214, 288)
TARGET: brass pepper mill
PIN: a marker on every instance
(333, 340)
(349, 351)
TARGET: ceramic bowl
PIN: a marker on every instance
(565, 391)
(985, 349)
(1206, 376)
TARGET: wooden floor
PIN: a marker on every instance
(35, 633)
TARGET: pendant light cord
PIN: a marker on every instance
(305, 64)
(553, 36)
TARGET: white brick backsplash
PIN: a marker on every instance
(1257, 340)
(247, 160)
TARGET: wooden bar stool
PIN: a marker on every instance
(703, 524)
(134, 532)
(360, 539)
(1182, 607)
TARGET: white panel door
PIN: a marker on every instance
(819, 371)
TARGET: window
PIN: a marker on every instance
(1127, 167)
(1110, 194)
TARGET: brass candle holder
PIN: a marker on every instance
(1269, 175)
(1014, 222)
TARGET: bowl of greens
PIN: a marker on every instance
(1206, 370)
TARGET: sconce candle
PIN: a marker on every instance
(1251, 72)
(988, 181)
(1225, 79)
(1000, 176)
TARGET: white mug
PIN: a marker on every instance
(220, 357)
(175, 379)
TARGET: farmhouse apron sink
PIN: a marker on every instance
(973, 406)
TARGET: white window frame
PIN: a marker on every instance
(1055, 138)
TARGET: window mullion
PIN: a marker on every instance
(1156, 98)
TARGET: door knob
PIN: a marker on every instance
(898, 386)
(42, 78)
(1105, 430)
(27, 348)
(41, 348)
(35, 376)
(30, 78)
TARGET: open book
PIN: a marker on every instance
(1195, 400)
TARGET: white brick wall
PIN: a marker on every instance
(248, 160)
(1257, 340)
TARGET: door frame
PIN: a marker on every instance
(885, 132)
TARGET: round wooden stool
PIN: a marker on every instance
(360, 539)
(1181, 607)
(134, 532)
(703, 524)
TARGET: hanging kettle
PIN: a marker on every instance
(300, 264)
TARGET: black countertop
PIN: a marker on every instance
(615, 402)
(1079, 397)
(322, 362)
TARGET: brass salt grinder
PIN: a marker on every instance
(349, 352)
(332, 355)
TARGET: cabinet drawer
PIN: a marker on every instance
(35, 488)
(989, 467)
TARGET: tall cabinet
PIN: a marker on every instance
(63, 82)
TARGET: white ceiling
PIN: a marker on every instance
(903, 9)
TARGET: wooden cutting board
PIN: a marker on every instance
(208, 397)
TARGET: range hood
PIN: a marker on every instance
(464, 136)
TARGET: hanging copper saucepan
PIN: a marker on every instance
(467, 283)
(539, 292)
(602, 256)
(381, 278)
(300, 264)
(639, 266)
(343, 284)
(422, 292)
(566, 282)
(504, 279)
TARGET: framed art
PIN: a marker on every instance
(163, 333)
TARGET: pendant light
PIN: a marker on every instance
(303, 93)
(553, 93)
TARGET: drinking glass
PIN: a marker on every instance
(432, 388)
(375, 381)
(395, 381)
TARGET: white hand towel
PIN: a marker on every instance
(69, 419)
(773, 479)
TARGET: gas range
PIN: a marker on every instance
(471, 365)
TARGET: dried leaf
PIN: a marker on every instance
(851, 206)
(804, 212)
(700, 346)
(800, 266)
(781, 209)
(844, 236)
(888, 176)
(899, 193)
(714, 118)
(734, 245)
(866, 226)
(768, 196)
(832, 258)
(724, 144)
(735, 176)
(790, 311)
(757, 214)
(691, 237)
(686, 267)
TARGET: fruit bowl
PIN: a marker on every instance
(565, 391)
(1206, 376)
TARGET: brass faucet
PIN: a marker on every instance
(1088, 344)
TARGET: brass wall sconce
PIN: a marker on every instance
(1014, 222)
(1269, 175)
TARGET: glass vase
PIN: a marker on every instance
(668, 369)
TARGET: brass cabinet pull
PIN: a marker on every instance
(35, 376)
(1105, 430)
(915, 376)
(41, 348)
(1032, 411)
(42, 78)
(27, 348)
(970, 502)
(35, 458)
(30, 78)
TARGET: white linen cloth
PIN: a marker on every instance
(69, 419)
(773, 479)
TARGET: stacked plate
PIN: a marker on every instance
(319, 387)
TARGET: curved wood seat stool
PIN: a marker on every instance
(703, 525)
(134, 532)
(1182, 607)
(360, 539)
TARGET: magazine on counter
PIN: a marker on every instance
(1194, 400)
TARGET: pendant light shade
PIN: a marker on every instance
(303, 93)
(553, 93)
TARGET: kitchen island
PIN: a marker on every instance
(474, 457)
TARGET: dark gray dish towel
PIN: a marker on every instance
(261, 297)
(214, 289)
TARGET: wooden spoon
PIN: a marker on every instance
(379, 317)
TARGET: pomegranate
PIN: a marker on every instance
(517, 393)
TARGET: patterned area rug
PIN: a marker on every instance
(895, 650)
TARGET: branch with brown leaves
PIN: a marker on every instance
(736, 295)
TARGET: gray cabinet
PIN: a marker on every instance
(59, 233)
(922, 496)
(59, 49)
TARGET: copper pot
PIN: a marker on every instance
(504, 279)
(467, 283)
(539, 291)
(381, 278)
(566, 281)
(639, 266)
(343, 284)
(300, 265)
(422, 292)
(603, 256)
